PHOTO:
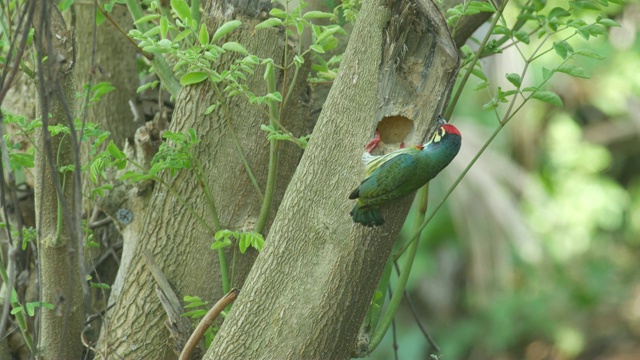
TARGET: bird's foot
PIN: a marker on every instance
(373, 143)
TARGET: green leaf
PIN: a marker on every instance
(317, 15)
(102, 286)
(16, 310)
(558, 12)
(481, 85)
(147, 18)
(181, 8)
(501, 30)
(584, 5)
(596, 30)
(514, 79)
(270, 22)
(328, 32)
(548, 97)
(114, 151)
(278, 13)
(220, 244)
(561, 49)
(65, 4)
(164, 27)
(210, 109)
(244, 243)
(99, 17)
(574, 71)
(195, 314)
(492, 104)
(18, 161)
(546, 73)
(30, 309)
(182, 35)
(475, 7)
(522, 36)
(194, 77)
(276, 96)
(268, 70)
(257, 241)
(589, 53)
(203, 36)
(236, 47)
(317, 48)
(224, 29)
(539, 4)
(146, 86)
(479, 73)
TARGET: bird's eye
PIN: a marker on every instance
(437, 136)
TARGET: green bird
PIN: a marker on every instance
(402, 172)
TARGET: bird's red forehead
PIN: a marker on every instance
(450, 129)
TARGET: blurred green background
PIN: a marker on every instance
(535, 254)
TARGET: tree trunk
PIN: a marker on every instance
(60, 278)
(114, 61)
(112, 113)
(309, 289)
(135, 328)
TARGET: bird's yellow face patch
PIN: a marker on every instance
(437, 136)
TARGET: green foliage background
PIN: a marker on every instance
(543, 265)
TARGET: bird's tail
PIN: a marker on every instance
(367, 216)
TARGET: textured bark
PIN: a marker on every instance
(309, 289)
(114, 61)
(60, 278)
(180, 245)
(112, 113)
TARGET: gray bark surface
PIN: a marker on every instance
(309, 289)
(135, 328)
(115, 62)
(60, 278)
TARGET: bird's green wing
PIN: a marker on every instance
(373, 162)
(388, 177)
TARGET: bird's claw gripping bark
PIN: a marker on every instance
(371, 145)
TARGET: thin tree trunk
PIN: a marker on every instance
(114, 61)
(180, 244)
(98, 45)
(60, 277)
(310, 287)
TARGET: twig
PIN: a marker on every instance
(393, 328)
(414, 312)
(148, 56)
(206, 322)
(100, 223)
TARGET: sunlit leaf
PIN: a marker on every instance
(573, 70)
(514, 79)
(270, 22)
(181, 8)
(194, 77)
(317, 15)
(224, 29)
(236, 47)
(548, 97)
(203, 36)
(589, 53)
